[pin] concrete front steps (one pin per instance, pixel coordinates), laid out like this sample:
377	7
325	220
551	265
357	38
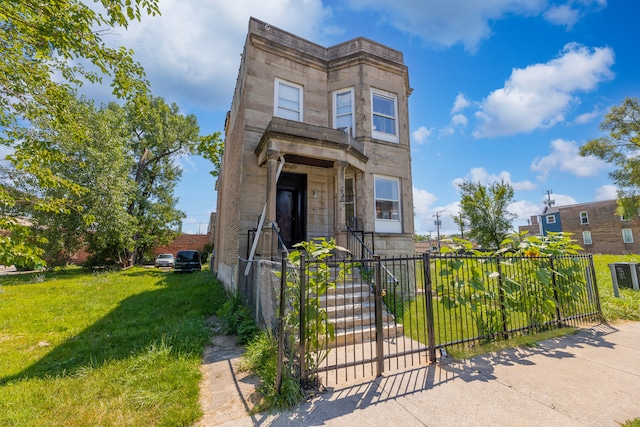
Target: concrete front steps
351	309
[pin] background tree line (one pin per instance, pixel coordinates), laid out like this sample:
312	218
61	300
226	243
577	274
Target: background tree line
79	173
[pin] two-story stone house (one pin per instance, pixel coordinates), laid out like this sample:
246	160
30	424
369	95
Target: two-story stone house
316	139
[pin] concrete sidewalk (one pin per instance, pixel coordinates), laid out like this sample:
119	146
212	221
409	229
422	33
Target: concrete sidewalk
591	378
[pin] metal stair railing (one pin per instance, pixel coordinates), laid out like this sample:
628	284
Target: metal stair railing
369	253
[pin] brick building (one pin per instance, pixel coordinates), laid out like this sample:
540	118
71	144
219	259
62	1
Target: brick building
596	226
317	138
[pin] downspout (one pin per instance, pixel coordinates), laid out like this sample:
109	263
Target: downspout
254	245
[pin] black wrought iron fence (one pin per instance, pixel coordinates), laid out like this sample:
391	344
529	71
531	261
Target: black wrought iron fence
351	318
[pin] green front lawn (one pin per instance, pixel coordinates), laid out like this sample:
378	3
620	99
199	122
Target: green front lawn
627	306
113	348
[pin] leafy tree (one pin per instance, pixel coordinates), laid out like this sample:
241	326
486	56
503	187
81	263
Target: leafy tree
211	147
486	210
93	161
125	167
43	45
621	147
158	136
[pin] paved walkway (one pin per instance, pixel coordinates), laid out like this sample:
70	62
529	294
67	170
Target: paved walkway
591	378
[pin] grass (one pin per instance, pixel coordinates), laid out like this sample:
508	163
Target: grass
110	348
450	327
627	306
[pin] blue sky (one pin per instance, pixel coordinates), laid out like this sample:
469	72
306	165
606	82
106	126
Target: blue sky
502	89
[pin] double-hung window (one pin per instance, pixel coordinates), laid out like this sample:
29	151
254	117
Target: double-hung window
288	100
586	237
584	218
343	110
627	235
387	196
384	116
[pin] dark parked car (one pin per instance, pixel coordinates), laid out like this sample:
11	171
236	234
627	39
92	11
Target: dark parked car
188	261
164	260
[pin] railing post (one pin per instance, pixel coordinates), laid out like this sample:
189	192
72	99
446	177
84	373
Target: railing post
595	284
378	308
431	334
555	290
283	284
304	375
503	309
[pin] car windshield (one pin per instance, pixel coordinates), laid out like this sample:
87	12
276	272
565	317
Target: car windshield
165	256
186	256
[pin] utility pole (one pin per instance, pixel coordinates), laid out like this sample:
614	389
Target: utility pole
461	226
438	223
549	202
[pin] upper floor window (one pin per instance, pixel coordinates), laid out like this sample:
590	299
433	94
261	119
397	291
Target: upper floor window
627	235
584	218
551	219
288	100
625	217
586	237
343	110
384	116
387	196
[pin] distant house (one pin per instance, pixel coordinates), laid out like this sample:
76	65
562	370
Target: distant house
596	226
318	139
533	228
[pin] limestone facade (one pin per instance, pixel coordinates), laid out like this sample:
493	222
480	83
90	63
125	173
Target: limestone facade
315	137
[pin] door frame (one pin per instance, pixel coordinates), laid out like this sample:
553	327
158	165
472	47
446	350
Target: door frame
296	183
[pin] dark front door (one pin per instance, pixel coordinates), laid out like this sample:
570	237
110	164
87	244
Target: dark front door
291	208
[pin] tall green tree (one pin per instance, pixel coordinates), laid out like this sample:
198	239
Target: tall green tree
621	147
485	209
94	161
124	161
43	44
158	136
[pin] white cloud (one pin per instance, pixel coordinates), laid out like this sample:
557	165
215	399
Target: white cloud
446	131
540	95
562	15
485	178
425	223
447	23
563	200
5	151
193	50
587	117
524	210
422	201
571	12
460	103
468	22
565	156
421	134
459	120
606	192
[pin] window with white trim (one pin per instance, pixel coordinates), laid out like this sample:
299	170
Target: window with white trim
343	107
288	100
584	217
586	238
387	196
551	219
627	235
384	116
625	217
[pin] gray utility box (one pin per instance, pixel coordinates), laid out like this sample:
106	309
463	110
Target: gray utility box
624	275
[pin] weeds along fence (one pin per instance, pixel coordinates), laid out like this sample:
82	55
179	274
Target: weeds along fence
362	313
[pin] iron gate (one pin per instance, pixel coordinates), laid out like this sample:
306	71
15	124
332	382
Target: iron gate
357	318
